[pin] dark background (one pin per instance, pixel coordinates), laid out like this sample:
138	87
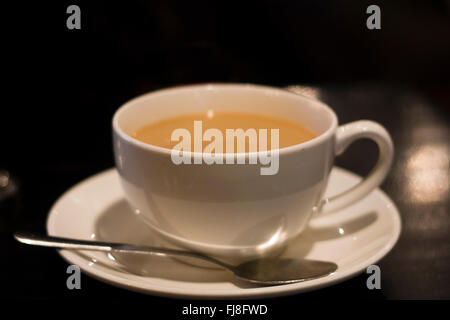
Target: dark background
66	84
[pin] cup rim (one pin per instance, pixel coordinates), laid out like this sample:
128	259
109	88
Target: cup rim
204	86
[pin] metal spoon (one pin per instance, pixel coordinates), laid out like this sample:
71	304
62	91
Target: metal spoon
266	271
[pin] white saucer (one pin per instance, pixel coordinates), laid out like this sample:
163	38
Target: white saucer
353	238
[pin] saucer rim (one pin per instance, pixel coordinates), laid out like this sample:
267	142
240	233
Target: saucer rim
112	276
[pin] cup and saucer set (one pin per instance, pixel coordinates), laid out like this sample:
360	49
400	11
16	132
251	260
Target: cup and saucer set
309	209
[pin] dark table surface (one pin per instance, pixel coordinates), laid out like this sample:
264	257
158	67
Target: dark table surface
417	267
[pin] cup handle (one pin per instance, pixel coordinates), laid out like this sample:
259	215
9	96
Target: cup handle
346	135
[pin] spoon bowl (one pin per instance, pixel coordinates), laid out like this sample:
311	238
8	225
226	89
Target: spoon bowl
282	270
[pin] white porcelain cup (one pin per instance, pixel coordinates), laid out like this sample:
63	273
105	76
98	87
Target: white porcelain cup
232	211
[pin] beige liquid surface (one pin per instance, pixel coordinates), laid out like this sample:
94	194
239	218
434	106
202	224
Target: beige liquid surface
159	133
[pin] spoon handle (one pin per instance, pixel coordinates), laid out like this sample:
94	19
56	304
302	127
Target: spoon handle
75	244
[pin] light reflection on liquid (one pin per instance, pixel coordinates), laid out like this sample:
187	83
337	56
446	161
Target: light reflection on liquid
427	173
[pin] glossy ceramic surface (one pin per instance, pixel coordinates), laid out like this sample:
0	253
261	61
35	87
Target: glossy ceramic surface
353	238
232	211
